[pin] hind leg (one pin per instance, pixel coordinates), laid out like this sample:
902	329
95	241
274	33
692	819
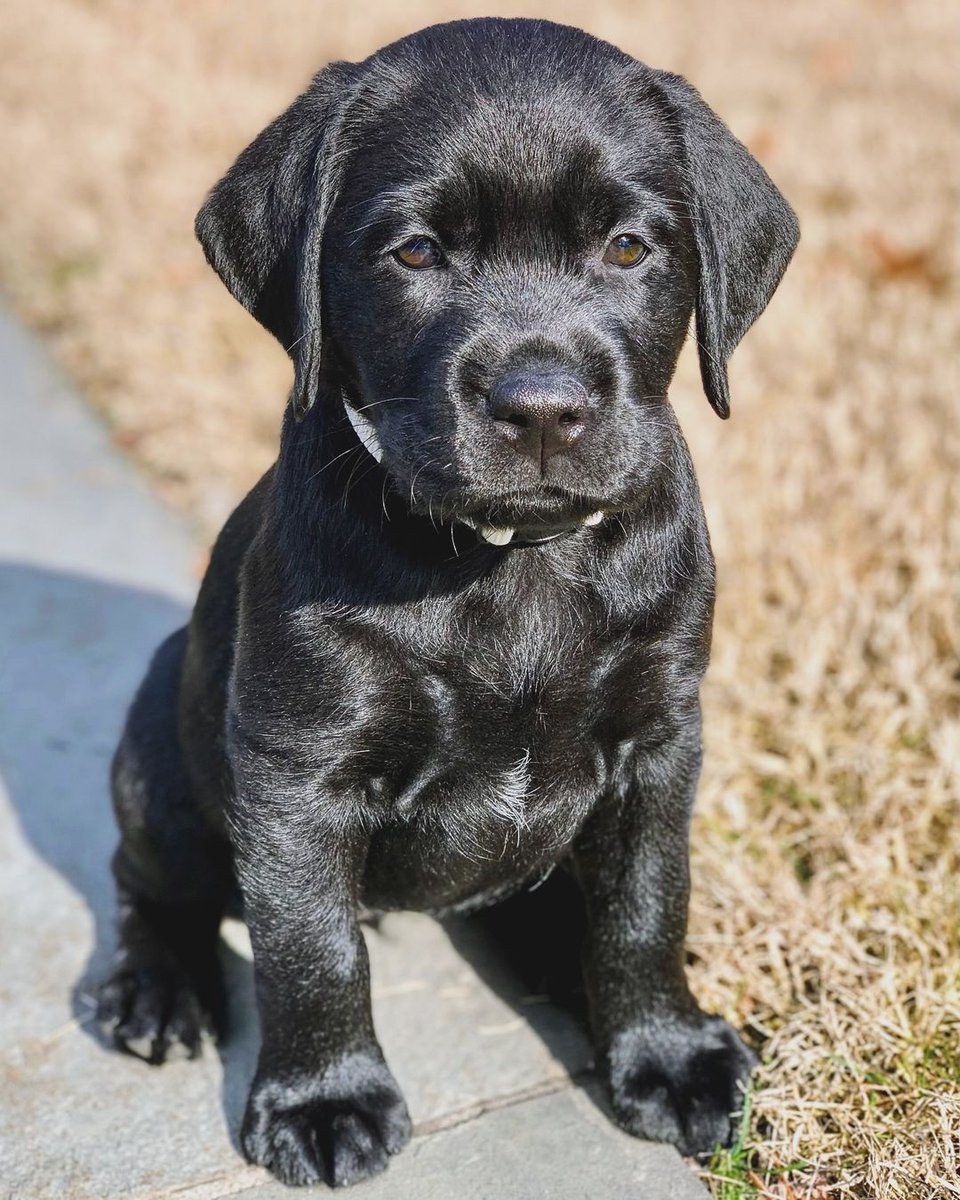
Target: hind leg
165	990
173	880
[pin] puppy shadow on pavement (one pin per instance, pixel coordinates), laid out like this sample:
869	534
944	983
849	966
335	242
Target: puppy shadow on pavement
73	650
72	653
527	949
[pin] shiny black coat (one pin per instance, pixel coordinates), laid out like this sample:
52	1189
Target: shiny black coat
374	708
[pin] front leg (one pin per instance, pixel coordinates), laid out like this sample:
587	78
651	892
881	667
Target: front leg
323	1104
675	1073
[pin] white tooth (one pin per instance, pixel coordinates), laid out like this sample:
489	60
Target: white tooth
496	537
594	519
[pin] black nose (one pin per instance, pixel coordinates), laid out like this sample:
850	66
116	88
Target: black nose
540	412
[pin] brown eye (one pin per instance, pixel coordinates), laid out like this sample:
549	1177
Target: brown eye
626	250
418	253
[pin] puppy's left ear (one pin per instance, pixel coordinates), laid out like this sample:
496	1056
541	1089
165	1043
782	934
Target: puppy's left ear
745	232
261	227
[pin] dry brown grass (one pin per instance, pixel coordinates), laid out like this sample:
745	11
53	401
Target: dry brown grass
826	850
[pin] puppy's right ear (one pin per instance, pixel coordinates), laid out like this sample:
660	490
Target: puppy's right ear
261	227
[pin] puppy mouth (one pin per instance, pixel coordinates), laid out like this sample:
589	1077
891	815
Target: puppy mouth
534	515
540	531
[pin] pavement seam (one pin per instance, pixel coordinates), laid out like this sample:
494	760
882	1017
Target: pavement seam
462	1116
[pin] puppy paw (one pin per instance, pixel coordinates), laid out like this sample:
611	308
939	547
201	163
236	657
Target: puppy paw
157	1013
679	1080
339	1128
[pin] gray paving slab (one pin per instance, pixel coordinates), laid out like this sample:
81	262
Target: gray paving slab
559	1147
68	502
94	571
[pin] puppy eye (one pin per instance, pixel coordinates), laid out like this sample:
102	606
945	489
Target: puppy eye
626	250
418	253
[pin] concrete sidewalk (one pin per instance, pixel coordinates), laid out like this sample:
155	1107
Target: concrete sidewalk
93	573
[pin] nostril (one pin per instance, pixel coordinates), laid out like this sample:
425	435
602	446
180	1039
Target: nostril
517	419
569	418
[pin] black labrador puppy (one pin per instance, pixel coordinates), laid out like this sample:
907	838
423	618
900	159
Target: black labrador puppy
454	638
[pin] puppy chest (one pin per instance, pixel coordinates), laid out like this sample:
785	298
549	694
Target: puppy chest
474	819
481	768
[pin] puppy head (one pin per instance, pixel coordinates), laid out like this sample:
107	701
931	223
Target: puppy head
491	235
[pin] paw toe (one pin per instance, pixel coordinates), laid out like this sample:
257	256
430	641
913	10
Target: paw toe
646	1109
288	1148
396	1128
356	1152
187	1023
113	999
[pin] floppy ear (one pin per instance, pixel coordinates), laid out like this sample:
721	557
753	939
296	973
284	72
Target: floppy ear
745	232
261	227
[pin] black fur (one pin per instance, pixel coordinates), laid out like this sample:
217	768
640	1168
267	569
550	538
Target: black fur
373	708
